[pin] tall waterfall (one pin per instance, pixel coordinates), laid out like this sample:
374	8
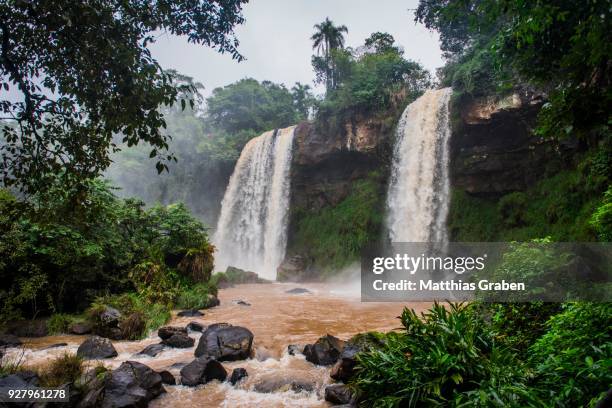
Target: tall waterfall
418	196
252	228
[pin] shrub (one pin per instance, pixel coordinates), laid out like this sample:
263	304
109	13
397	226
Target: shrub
198	296
66	368
517	324
154	282
198	263
139	316
445	358
59	323
573	360
601	220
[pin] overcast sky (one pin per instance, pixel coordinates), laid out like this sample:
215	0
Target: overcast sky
275	39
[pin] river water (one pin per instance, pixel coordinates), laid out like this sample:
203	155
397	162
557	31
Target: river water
276	318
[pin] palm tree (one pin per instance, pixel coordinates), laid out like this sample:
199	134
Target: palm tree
326	38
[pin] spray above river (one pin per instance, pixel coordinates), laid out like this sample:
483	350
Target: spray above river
252	229
417	200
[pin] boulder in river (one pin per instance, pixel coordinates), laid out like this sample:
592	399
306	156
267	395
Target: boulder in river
279	383
237	375
131	385
9	340
237	275
179	340
292	269
202	370
225	342
325	351
80	328
96	347
338	394
297	291
195	326
152	350
168	331
167	377
190	313
55	345
211	301
343	370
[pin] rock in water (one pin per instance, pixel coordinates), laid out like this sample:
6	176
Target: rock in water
225	342
56	345
167	331
297	291
195	326
238	374
212	301
325	351
8	340
292	269
167	377
344	368
276	383
190	313
338	394
179	340
131	385
152	350
96	347
202	370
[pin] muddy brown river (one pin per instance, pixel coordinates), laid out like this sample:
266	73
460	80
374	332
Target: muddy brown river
276	318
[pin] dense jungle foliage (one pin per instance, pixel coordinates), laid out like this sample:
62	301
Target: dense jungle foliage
63	249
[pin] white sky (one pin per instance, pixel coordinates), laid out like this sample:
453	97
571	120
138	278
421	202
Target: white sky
275	39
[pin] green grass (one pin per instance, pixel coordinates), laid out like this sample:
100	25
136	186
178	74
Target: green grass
335	236
195	296
64	369
59	323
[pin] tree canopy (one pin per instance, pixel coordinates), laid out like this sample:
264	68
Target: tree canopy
252	105
327	38
562	47
83	72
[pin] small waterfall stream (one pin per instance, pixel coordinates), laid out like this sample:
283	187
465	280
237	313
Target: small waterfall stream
418	196
252	228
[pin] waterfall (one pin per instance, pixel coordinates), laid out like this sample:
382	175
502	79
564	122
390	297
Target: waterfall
252	228
418	196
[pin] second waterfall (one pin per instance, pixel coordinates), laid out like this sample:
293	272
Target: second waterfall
418	196
252	228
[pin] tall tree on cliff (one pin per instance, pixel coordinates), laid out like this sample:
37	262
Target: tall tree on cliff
327	38
75	73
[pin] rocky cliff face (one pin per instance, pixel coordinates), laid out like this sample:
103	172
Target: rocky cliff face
325	163
493	148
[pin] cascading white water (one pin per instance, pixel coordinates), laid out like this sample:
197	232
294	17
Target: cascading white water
252	228
418	196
